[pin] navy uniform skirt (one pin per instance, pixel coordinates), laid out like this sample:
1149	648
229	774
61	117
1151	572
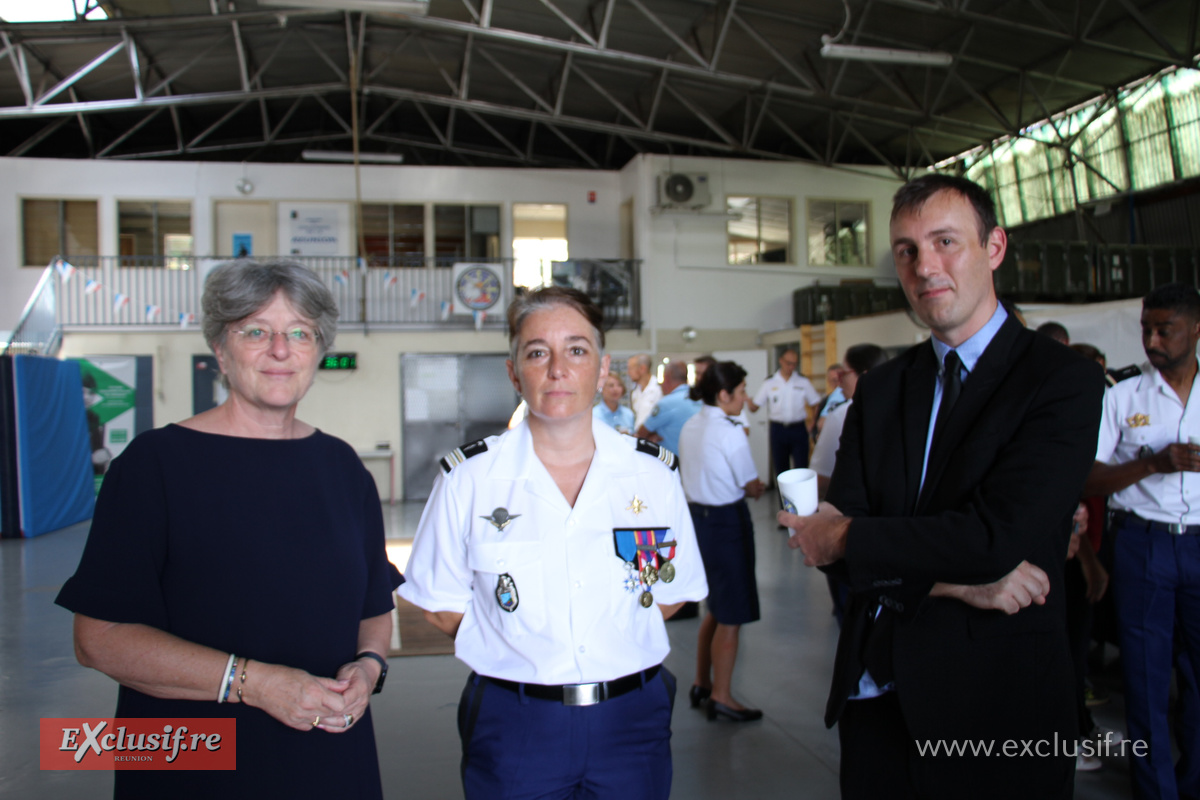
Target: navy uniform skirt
726	538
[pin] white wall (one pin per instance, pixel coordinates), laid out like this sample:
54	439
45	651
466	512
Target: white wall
684	254
593	228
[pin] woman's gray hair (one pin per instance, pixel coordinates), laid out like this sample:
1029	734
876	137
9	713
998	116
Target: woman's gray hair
546	299
237	289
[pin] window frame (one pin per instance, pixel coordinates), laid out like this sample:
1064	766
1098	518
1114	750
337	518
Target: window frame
789	259
61	234
837	203
158	257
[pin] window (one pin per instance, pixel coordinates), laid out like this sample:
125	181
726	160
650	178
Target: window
762	231
394	234
465	232
154	234
837	233
67	228
539	237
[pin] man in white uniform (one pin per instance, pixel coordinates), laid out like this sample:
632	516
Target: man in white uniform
787	395
1147	458
646	390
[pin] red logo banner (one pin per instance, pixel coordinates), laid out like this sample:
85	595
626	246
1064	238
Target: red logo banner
112	743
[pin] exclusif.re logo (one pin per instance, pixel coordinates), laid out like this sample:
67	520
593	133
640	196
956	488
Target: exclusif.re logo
115	743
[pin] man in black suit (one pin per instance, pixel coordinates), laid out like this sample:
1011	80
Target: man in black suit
949	513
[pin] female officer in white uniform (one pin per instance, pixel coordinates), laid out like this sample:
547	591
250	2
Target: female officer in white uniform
553	553
718	472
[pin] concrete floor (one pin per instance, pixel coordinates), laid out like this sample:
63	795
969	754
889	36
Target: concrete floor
783	667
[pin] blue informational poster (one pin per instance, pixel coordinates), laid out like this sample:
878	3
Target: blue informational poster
54	464
243	245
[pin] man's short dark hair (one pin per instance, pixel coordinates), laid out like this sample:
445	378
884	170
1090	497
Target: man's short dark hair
912	196
864	357
1177	297
1056	331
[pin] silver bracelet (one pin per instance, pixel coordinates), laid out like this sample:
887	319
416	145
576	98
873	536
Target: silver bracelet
223	692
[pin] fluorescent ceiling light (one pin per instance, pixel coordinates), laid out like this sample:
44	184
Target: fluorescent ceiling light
348	158
43	11
385	6
854	52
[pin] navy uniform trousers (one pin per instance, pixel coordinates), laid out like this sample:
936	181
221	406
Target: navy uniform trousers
789	446
515	746
1156	591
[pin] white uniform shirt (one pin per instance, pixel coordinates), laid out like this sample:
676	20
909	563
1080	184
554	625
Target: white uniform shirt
1145	412
787	401
715	462
824	455
576	620
643	402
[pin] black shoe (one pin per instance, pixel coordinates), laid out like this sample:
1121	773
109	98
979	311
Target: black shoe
697	695
716	709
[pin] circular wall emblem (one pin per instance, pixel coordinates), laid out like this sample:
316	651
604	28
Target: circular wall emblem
478	288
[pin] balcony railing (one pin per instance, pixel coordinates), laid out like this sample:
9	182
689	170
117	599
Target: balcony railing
37	332
106	291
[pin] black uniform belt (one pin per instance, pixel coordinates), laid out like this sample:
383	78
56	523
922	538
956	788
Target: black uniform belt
1130	520
789	424
580	694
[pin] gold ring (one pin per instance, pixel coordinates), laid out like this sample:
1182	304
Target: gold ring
316	721
349	719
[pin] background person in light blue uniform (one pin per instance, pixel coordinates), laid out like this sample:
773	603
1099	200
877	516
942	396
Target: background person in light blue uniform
609	410
666	421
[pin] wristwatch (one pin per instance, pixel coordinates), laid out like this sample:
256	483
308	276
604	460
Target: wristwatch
382	664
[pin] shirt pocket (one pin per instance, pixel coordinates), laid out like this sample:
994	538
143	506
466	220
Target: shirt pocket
1133	439
509	585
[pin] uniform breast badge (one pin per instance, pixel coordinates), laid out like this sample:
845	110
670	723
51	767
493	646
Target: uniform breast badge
506	593
500	518
1138	421
636	505
645	561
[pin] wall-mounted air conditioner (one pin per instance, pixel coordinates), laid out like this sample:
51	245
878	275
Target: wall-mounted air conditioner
683	190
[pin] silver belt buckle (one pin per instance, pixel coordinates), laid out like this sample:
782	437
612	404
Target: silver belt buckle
1177	528
582	694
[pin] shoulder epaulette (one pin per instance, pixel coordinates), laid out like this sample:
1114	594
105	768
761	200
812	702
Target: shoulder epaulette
461	454
658	451
1115	376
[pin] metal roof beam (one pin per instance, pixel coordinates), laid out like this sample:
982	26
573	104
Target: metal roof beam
75	76
772	51
136	127
670	34
16	56
608	96
224	118
570	23
506	72
719	45
700	114
39	137
579	151
483	123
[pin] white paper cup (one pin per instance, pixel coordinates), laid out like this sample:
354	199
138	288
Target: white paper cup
799	490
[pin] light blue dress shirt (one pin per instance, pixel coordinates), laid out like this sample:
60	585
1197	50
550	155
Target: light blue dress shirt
669	415
621	419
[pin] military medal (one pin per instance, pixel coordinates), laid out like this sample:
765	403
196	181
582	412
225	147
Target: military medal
645	563
506	593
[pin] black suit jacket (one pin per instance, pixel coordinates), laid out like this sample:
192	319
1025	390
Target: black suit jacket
1003	481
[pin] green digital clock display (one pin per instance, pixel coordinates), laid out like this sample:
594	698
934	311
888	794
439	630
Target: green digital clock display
340	361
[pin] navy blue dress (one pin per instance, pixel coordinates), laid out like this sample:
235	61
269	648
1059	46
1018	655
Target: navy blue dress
270	549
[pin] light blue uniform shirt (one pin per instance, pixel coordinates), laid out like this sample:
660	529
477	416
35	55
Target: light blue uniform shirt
621	419
669	415
969	353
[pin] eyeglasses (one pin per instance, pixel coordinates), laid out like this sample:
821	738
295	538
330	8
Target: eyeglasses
299	337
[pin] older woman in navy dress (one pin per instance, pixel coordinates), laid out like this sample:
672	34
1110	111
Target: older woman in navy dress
718	472
236	565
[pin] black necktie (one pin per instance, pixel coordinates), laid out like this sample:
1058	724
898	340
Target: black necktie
951	387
